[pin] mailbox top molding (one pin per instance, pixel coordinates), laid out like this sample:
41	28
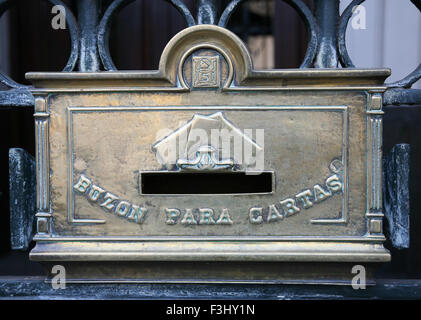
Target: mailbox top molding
239	72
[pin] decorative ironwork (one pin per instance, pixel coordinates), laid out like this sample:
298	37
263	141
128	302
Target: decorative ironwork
326	48
304	12
74	37
105	26
346	61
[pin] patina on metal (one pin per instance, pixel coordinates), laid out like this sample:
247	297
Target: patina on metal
22	198
396	194
116	152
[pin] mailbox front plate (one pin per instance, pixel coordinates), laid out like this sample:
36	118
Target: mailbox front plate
102	143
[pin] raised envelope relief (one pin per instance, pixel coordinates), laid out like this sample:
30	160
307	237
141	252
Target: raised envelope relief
209	142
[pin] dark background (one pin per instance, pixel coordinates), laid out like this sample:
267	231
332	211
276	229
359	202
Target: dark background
138	37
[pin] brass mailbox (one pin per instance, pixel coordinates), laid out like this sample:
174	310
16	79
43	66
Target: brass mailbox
208	170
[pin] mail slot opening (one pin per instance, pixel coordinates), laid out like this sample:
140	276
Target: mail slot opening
205	183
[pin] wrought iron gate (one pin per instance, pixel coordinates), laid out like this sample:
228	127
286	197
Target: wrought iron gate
90	37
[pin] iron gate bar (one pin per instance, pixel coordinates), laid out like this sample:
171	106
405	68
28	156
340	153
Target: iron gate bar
16	98
305	14
396	194
88	16
35	289
106	22
22	198
400	96
346	61
344	57
73	30
19	95
226	14
327	14
207	11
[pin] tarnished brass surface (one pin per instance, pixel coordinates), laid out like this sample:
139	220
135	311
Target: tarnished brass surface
101	136
219	272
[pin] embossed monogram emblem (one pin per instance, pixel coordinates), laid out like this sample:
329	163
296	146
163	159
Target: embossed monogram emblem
206	72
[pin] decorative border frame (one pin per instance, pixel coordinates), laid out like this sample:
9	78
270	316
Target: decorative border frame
42	155
345	142
374	213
